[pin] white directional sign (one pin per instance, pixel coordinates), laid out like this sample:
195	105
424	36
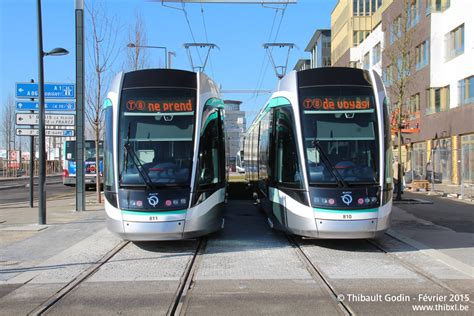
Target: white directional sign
49	132
51	119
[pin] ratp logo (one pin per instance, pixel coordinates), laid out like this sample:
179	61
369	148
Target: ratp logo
346	198
153	200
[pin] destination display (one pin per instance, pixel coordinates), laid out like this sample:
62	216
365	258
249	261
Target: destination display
337	103
158	106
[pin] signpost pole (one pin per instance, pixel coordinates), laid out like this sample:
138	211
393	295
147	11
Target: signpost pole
42	147
80	185
32	162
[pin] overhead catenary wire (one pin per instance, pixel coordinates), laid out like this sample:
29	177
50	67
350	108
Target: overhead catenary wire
263	64
274	40
265	61
190	29
207	39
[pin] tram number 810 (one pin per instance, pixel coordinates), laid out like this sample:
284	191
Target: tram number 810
346	216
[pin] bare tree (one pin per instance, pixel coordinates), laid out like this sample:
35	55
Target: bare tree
8	125
137	57
400	53
103	52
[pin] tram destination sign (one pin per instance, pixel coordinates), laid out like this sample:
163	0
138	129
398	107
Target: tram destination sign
51	90
337	103
64	106
49	132
51	119
159	106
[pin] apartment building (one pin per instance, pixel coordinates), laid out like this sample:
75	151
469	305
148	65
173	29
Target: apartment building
438	112
351	23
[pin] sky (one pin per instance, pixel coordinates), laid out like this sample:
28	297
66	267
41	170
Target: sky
238	30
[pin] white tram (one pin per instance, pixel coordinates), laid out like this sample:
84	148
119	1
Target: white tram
318	155
164	155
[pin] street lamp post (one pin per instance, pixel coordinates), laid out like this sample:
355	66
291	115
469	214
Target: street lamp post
41	124
167	55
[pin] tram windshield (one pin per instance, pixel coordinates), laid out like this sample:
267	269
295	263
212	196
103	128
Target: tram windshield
156	137
340	133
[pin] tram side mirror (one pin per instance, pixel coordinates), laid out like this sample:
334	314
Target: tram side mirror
168	118
349	115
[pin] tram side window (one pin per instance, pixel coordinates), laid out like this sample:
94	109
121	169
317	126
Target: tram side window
387	145
108	153
263	144
210	151
287	168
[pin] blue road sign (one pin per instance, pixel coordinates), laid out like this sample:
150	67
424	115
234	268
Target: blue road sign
51	90
48	106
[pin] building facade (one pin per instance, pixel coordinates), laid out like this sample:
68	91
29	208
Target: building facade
437	105
235	126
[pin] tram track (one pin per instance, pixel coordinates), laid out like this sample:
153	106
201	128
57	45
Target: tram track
318	276
181	297
53	300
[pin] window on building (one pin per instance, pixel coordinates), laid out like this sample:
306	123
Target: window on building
403	66
442	159
467	158
355	38
418	157
366	61
454	42
361	7
414	106
466	91
326	61
355	7
422	52
376	53
388	75
373	6
367	7
395	29
438	100
437	6
413	14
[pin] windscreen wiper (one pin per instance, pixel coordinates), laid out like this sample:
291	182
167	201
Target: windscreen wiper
329	165
136	161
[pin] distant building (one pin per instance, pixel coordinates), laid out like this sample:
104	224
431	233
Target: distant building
351	23
235	126
320	48
302	64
